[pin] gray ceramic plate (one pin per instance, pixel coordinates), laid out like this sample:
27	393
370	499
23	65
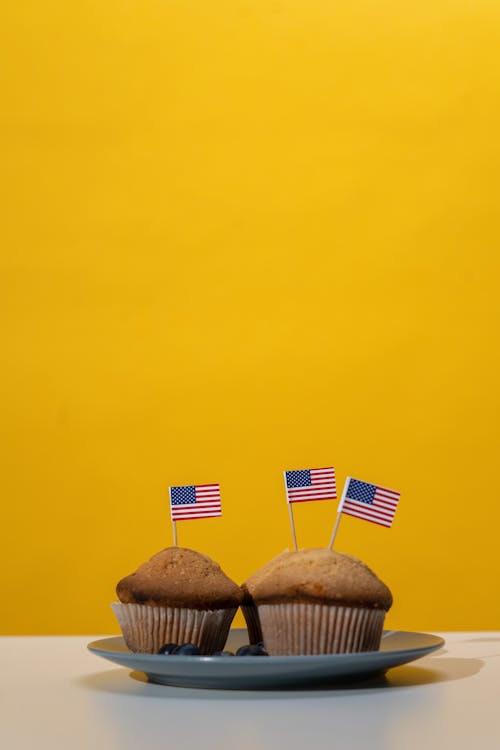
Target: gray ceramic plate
269	672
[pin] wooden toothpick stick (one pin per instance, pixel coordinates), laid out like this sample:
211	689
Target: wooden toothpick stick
174	527
339	514
292	526
290	514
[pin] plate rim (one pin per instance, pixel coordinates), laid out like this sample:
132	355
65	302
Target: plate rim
439	642
305	671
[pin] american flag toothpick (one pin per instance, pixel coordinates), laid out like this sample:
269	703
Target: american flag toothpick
194	501
304	485
371	502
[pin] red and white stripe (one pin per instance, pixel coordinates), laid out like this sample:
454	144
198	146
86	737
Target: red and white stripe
323	487
208	504
381	511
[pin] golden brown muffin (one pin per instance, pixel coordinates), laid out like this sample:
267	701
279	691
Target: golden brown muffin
180	577
178	596
317	601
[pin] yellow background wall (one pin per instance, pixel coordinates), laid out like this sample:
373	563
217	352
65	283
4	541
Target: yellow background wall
243	236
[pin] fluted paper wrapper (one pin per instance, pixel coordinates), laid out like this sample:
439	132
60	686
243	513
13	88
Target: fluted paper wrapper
251	615
292	629
146	629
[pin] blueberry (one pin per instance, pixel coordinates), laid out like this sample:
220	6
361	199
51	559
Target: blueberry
187	649
255	650
259	650
243	651
168	648
223	653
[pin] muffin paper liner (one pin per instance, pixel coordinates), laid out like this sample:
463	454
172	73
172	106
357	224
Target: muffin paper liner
251	615
291	629
146	629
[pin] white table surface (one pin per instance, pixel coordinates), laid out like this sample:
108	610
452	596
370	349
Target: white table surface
56	694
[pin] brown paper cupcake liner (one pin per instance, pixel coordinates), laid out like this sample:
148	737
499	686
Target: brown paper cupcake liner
251	615
146	629
298	628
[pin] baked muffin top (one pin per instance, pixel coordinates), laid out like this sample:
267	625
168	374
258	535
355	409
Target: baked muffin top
180	577
317	575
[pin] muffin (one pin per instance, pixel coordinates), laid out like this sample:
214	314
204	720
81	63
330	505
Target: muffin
178	596
316	601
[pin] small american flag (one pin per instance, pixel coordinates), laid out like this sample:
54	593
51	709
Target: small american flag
369	502
195	501
310	484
